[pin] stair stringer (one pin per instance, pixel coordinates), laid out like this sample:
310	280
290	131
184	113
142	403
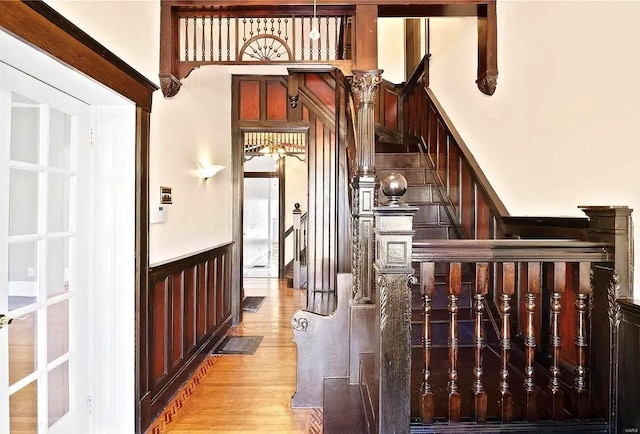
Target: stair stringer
323	347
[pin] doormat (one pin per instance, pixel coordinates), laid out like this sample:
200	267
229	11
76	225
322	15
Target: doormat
238	345
252	304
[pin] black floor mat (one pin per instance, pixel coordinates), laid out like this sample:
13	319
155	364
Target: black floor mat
252	304
238	345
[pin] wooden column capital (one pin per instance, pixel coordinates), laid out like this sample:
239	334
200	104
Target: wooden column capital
365	85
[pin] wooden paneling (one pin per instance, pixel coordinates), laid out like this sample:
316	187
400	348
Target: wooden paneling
322	90
160	339
276	101
186	295
328	210
628	392
483	218
177	316
190	309
390	110
201	301
467	206
250	100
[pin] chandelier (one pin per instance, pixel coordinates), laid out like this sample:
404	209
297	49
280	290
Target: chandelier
275	145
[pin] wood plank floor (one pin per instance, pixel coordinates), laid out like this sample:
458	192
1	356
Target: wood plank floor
239	393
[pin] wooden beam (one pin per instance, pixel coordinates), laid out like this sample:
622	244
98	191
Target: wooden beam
487	48
169	71
233	3
365	38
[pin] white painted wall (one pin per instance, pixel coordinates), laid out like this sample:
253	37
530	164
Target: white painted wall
128	28
562	128
563	120
193	126
391	49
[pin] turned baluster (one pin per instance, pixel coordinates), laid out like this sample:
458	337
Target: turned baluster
479	394
533	288
582	305
427	280
505	404
454	283
555	306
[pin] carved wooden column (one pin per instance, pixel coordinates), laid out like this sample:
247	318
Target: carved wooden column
364	86
394	276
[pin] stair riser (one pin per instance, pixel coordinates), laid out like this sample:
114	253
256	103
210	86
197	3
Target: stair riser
415	194
437	233
430	214
413	176
399	161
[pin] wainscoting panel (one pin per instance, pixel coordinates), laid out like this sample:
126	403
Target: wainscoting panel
190	310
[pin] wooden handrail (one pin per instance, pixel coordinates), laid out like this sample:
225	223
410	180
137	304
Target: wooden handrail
512	250
483	182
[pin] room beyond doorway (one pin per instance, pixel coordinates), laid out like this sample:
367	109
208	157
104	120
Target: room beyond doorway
271	188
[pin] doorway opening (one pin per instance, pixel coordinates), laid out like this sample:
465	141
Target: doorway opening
67	193
275	179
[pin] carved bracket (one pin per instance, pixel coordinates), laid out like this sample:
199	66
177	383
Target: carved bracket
170	85
487	82
487	48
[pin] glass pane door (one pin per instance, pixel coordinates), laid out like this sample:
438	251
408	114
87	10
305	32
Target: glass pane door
40	386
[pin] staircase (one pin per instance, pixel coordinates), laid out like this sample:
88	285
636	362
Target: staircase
528	335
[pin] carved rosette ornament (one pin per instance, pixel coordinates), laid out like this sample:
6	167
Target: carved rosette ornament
169	84
488	82
299	324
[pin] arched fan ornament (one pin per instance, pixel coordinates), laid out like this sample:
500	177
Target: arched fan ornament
265	48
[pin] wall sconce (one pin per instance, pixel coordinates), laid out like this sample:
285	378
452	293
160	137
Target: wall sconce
206	171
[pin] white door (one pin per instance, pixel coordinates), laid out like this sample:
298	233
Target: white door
44	258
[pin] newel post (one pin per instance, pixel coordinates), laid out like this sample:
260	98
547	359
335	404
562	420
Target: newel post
394	276
611	282
364	86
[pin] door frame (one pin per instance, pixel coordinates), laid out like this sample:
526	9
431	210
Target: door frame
41	26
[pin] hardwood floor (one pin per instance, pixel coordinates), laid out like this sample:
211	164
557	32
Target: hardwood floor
236	393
